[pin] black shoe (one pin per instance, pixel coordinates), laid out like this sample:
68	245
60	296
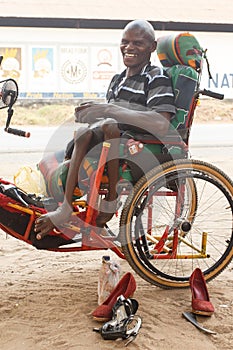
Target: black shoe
124	323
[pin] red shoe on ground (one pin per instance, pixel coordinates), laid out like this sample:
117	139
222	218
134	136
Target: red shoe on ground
201	303
126	287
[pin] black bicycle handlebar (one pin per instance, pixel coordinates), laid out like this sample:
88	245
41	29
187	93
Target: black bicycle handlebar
212	94
17	132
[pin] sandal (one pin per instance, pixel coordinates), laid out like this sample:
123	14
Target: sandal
124	323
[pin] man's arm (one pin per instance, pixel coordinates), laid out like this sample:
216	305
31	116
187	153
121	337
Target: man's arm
147	120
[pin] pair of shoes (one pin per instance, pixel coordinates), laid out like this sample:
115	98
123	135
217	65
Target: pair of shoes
201	303
126	287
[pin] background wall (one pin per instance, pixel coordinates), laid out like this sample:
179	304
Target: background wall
79	63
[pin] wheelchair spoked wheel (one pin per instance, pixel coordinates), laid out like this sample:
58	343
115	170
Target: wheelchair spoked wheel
113	226
188	207
178	218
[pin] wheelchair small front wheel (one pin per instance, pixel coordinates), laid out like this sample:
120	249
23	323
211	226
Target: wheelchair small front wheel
178	218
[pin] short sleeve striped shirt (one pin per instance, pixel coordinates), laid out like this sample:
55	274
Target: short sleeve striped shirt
151	88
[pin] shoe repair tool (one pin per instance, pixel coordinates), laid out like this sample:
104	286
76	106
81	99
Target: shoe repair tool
191	317
124	323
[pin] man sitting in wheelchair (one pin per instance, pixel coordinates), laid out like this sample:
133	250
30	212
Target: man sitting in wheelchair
140	101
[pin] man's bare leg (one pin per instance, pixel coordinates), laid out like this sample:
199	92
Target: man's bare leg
109	204
45	223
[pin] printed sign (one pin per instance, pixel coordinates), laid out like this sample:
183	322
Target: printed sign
11	66
73	68
42	73
104	64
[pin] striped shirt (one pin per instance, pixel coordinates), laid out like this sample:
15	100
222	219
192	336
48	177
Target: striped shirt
151	89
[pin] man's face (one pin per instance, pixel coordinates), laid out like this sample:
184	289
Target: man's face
136	48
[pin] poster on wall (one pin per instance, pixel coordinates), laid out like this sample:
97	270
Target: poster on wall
42	73
73	70
11	66
104	65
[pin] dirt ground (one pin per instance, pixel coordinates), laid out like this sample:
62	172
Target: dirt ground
47	299
209	110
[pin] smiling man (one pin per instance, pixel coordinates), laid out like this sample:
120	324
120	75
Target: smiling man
140	99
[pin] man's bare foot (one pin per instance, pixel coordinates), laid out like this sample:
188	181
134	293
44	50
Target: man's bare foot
45	223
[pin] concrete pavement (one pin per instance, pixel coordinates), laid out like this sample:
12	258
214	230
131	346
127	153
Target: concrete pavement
212	143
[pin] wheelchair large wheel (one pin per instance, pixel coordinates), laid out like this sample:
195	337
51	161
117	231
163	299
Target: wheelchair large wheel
113	226
188	207
125	188
164	240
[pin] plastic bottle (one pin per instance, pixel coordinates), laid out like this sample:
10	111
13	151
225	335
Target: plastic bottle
108	278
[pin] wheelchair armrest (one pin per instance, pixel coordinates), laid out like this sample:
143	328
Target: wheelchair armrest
172	137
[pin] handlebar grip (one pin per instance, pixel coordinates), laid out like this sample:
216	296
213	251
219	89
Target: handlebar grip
213	94
18	132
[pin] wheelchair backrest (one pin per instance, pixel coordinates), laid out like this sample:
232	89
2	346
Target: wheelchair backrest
182	57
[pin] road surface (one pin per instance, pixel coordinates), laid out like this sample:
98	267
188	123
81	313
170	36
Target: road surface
212	143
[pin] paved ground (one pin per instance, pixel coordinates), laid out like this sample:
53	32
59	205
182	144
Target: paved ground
212	143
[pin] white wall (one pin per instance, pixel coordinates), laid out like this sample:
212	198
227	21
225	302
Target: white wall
78	63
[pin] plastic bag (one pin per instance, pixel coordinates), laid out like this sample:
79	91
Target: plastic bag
30	181
108	278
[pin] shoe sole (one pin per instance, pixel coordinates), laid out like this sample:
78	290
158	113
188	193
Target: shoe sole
202	313
101	319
